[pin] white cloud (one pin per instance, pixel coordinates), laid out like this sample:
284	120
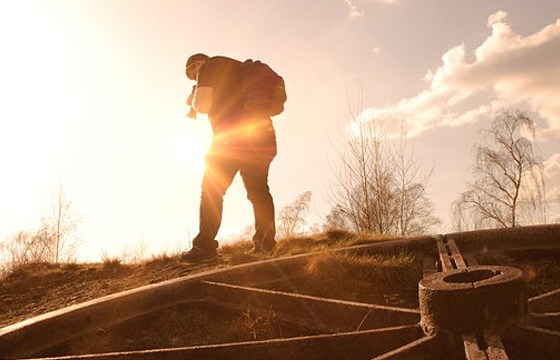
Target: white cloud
552	178
355	12
552	181
353	9
497	17
508	70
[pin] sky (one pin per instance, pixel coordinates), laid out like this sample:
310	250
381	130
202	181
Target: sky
93	99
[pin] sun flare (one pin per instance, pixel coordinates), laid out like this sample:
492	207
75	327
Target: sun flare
189	146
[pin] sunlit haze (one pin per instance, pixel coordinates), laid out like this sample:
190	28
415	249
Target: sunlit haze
93	97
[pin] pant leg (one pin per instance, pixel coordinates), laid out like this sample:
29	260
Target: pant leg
255	179
218	176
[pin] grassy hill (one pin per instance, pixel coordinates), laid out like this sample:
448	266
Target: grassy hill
389	279
38	288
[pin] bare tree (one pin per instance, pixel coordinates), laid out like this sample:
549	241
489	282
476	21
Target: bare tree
361	178
61	226
53	241
415	213
26	247
291	219
336	219
377	186
508	185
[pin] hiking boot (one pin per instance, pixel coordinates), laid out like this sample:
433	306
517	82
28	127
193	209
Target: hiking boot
261	249
197	254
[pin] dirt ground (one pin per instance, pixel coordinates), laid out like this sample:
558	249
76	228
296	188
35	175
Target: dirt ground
40	288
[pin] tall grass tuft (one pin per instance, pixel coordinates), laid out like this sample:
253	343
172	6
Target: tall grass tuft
359	278
330	239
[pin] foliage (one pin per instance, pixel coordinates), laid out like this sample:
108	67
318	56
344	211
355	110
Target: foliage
508	185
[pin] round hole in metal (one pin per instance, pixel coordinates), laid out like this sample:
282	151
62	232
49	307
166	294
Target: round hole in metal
471	276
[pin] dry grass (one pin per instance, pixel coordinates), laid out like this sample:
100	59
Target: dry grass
186	325
36	270
238	252
330	239
388	270
389	278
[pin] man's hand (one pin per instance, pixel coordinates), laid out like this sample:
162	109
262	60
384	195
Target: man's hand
192	113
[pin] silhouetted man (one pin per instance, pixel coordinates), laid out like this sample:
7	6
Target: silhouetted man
242	142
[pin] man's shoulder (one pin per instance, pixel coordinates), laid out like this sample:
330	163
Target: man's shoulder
219	71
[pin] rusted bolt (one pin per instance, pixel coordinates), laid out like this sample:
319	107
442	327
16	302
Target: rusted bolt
472	299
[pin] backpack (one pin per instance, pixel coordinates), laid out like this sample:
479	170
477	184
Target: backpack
263	90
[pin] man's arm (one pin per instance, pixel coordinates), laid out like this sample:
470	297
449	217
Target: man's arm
203	98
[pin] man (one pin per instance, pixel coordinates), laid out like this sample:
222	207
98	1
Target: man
243	143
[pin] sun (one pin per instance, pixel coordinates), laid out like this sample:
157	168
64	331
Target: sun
190	144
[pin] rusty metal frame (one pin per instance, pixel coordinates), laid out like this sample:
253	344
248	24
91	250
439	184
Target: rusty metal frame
350	330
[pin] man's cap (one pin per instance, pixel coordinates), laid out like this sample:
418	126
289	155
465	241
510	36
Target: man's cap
196	57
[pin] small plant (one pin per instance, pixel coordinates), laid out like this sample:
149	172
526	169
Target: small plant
109	261
260	325
161	259
71	266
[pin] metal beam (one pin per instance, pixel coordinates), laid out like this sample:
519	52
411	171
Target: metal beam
309	312
342	346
